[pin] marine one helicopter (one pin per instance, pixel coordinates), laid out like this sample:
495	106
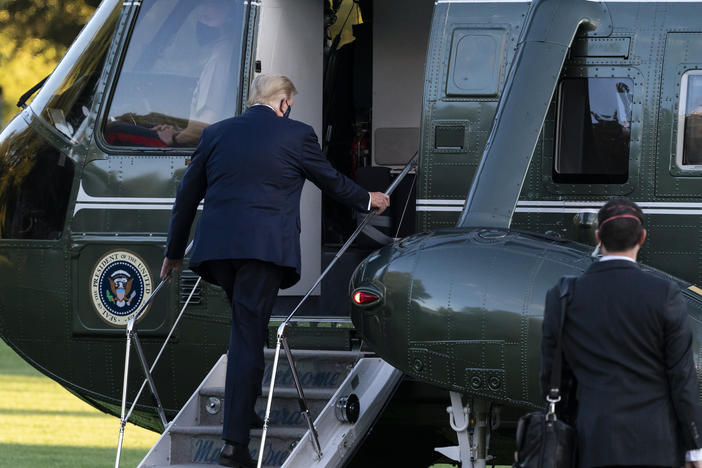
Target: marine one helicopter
537	111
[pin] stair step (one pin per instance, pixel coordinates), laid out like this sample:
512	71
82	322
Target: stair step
201	444
320	369
273	431
200	465
193	439
269	353
285	408
314	332
278	392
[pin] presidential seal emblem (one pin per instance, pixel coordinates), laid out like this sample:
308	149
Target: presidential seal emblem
119	284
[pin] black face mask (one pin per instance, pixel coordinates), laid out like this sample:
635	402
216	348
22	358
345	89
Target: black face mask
206	34
286	114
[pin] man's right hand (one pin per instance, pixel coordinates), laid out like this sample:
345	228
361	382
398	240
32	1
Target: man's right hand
169	266
379	201
693	464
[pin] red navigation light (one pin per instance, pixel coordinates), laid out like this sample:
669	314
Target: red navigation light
364	297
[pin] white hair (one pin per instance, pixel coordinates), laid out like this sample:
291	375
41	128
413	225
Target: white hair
270	89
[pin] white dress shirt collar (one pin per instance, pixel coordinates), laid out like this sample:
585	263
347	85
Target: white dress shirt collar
261	104
606	258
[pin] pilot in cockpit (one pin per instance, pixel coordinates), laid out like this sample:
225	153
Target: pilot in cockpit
210	100
212	87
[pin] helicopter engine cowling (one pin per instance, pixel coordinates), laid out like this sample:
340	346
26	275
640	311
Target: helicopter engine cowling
462	309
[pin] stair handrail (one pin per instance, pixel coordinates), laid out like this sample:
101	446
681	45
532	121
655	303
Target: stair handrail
131	334
280	335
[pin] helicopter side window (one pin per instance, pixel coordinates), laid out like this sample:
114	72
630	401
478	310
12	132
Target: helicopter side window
179	74
593	131
66	99
689	147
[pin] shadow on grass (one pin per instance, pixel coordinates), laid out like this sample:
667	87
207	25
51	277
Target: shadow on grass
33	456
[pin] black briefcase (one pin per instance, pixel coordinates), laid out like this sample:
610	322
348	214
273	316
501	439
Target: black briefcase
544	442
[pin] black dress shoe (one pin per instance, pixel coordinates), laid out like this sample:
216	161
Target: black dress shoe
236	455
256	421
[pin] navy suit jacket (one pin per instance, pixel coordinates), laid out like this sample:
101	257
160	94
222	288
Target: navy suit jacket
250	171
627	340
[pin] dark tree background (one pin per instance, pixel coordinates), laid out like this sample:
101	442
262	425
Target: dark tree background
57	22
34	35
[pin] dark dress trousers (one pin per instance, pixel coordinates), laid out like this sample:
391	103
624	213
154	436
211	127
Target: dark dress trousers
628	343
250	171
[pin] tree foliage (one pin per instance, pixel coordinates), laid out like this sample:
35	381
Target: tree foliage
34	35
55	21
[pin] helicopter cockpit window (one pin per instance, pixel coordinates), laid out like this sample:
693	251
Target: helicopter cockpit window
66	100
689	147
593	131
179	75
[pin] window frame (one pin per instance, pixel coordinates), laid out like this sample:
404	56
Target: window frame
114	150
680	126
582	178
547	144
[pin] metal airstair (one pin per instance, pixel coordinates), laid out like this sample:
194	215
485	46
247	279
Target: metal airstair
289	438
193	438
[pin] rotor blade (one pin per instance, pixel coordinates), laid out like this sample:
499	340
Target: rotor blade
548	33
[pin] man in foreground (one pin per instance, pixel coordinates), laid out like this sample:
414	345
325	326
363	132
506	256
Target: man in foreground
628	343
250	170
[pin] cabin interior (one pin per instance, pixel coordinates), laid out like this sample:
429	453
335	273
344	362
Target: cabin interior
359	70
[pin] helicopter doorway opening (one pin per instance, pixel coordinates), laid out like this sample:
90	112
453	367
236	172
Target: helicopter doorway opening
359	70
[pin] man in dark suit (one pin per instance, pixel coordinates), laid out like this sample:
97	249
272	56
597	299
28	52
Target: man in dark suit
628	343
250	171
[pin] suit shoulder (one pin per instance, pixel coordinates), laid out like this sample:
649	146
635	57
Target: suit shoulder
553	291
299	127
655	280
553	295
655	285
220	126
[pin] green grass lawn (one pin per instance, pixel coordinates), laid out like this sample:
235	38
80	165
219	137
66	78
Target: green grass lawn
43	425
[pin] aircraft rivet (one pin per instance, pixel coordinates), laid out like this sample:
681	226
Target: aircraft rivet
418	365
213	405
494	383
475	382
